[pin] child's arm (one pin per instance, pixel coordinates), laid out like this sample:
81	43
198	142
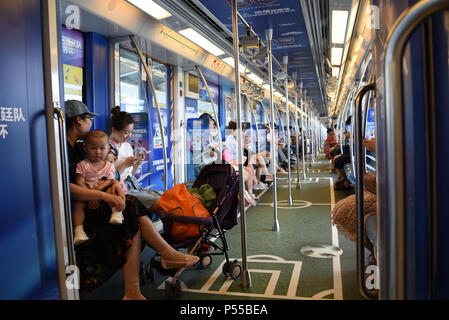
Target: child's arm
104	184
79	180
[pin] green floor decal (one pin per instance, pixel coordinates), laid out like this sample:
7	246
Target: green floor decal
278	268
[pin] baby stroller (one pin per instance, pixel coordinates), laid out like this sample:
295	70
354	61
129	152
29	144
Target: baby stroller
223	216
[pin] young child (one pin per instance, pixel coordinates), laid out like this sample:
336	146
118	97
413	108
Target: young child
94	173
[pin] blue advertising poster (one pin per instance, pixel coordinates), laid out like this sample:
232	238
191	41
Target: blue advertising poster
370	129
214	90
72	47
140	143
73	63
157	156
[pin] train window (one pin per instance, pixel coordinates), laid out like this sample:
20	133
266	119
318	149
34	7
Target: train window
132	94
73	63
197	97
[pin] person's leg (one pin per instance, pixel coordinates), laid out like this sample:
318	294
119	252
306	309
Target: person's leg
131	271
249	182
78	216
116	215
262	167
78	213
170	257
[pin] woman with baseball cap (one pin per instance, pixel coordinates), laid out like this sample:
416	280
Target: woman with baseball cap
95	267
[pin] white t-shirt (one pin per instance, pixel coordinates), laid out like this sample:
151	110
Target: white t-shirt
231	143
125	151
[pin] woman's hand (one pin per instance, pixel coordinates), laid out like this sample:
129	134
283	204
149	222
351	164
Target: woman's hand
93	205
117	189
114	201
130	161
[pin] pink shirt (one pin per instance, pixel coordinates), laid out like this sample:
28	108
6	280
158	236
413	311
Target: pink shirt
92	176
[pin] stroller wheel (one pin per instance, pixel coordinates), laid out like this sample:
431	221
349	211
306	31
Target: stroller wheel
232	269
205	261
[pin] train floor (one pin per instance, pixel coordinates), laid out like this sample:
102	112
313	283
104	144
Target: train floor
307	259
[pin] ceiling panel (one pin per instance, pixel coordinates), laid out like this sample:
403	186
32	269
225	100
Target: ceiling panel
289	35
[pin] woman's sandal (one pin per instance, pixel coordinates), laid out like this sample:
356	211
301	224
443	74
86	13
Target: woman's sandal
176	264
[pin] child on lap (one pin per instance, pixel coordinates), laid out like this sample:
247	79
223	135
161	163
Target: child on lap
94	173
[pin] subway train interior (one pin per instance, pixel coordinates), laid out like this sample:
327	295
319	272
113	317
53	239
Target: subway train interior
274	149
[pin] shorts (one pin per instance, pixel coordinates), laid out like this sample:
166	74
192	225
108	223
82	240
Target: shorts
340	162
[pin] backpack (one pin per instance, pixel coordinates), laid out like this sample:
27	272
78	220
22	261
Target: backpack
178	201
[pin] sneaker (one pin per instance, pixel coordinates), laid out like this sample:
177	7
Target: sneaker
80	236
260	186
116	218
249	200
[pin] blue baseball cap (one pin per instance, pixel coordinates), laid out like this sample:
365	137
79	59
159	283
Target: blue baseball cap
75	108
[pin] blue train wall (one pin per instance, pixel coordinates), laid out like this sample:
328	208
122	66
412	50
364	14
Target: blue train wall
27	250
418	246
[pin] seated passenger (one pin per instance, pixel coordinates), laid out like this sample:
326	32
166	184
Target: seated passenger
329	143
342	182
232	147
210	146
122	127
344	212
94	173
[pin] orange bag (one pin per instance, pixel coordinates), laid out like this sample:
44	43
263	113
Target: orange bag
179	201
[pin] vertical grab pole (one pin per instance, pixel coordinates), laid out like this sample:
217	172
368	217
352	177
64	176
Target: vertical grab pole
301	101
159	116
298	173
269	36
57	155
215	112
246	278
287	109
359	167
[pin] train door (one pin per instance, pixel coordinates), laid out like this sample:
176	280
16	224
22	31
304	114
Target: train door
411	58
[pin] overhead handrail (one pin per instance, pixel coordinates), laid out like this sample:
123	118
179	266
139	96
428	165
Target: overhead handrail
159	116
359	167
219	155
394	108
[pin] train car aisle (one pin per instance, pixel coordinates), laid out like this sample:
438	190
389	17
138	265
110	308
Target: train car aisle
307	259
